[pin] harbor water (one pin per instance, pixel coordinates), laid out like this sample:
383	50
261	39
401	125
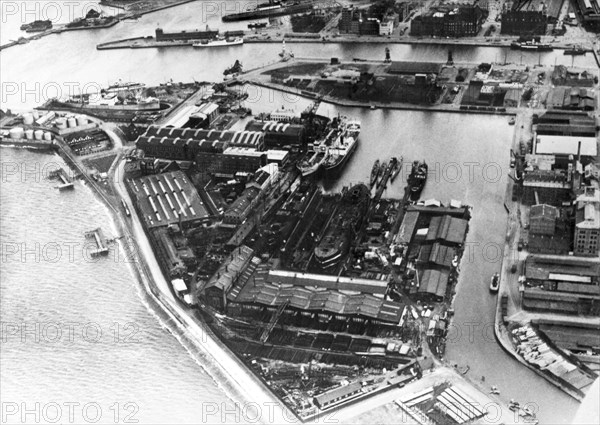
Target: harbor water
468	157
79	329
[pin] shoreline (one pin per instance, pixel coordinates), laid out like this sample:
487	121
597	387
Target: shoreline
234	379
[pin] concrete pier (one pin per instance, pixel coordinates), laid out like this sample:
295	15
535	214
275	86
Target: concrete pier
98	237
62	176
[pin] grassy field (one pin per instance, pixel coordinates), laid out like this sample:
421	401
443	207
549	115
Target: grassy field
102	164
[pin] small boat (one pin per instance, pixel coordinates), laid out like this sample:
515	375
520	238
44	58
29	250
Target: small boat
495	283
374	173
284	54
396	168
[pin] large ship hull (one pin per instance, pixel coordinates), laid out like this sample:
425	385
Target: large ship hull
268	12
346	223
334	170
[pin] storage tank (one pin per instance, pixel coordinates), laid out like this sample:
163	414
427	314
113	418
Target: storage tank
29	134
61	123
81	120
39	134
47	136
16	133
71	122
27	119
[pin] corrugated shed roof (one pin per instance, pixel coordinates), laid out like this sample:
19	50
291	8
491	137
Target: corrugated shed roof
447	228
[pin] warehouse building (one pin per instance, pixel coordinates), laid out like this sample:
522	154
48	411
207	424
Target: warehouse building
169	198
562	284
278	134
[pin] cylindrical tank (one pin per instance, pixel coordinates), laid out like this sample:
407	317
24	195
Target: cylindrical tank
29	134
36	114
81	120
27	119
71	122
47	136
39	134
16	133
61	123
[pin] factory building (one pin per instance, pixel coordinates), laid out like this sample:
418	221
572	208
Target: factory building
587	223
185	35
589	12
571	98
542	219
562	284
185	143
167	199
278	133
524	22
449	21
241	208
231	161
546	187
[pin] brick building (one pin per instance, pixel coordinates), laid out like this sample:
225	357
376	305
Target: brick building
461	21
523	22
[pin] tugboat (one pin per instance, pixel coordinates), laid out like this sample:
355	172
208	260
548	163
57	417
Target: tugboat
396	168
341	148
417	179
495	283
575	51
346	222
312	162
374	173
284	54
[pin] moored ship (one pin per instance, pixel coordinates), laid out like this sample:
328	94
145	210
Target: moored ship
417	179
374	173
37	26
342	147
396	168
219	42
531	45
575	51
271	9
382	169
313	161
346	222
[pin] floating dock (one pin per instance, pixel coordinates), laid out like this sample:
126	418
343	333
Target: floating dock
98	237
62	176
